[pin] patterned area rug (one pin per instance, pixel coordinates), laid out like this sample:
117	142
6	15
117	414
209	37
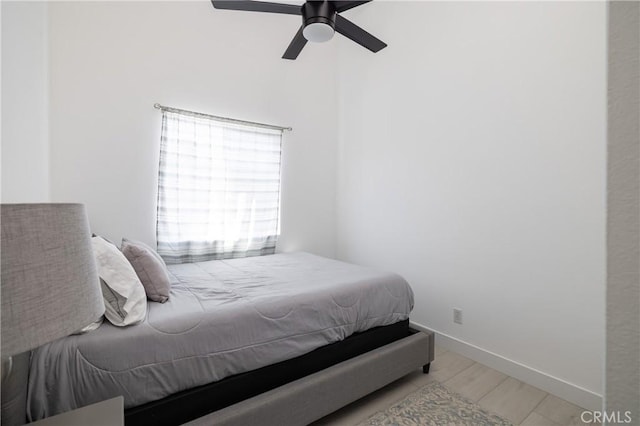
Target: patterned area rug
435	405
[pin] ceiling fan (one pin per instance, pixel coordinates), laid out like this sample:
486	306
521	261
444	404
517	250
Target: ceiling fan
320	19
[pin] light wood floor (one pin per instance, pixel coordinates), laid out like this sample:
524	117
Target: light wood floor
510	398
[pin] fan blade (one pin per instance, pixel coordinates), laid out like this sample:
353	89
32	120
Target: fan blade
258	6
341	6
357	34
296	45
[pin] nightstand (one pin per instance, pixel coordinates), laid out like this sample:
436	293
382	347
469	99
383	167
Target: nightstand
105	413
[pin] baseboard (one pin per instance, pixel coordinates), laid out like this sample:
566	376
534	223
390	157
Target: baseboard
553	385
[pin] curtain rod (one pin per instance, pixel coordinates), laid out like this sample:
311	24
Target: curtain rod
215	117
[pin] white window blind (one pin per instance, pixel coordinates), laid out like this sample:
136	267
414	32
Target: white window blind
218	189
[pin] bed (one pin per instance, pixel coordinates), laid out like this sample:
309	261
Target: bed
238	339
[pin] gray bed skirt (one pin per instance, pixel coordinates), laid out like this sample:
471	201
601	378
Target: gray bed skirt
315	396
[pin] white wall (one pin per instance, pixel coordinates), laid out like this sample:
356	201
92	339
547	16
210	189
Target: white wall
472	161
111	61
25	98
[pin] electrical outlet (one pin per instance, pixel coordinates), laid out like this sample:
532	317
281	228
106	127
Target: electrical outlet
457	315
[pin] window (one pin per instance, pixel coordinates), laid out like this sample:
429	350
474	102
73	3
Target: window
218	189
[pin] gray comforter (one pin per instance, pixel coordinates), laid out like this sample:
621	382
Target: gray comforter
222	318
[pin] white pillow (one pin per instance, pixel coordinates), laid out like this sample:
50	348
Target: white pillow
125	301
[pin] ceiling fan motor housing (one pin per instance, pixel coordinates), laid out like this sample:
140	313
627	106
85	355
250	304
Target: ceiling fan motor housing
319	12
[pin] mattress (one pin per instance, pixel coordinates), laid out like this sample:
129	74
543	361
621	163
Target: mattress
223	317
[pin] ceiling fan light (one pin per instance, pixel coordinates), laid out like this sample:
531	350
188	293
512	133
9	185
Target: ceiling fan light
318	32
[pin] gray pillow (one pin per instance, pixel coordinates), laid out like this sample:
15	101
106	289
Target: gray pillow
149	267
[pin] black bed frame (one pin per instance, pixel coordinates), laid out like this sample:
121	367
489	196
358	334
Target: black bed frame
190	404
